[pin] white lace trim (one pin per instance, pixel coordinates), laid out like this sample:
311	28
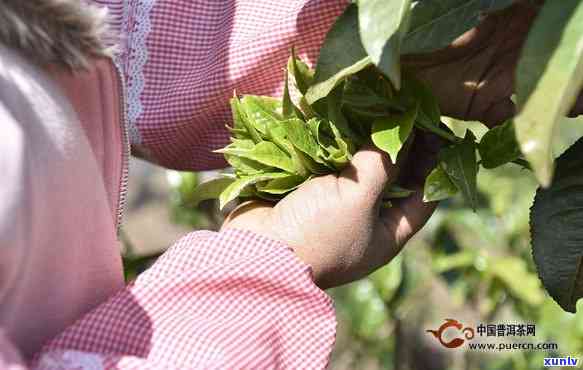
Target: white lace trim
138	54
64	360
121	62
132	61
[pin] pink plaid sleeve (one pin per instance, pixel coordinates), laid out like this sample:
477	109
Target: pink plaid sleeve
183	59
228	300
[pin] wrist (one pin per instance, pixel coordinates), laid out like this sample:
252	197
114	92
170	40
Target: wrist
260	218
307	256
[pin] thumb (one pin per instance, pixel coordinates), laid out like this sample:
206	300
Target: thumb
370	171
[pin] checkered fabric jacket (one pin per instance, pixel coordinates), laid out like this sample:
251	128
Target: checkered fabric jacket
229	300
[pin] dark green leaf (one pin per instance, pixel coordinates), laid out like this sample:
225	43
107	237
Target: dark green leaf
548	80
557	230
434	24
459	162
341	55
428	106
390	133
499	146
383	25
358	94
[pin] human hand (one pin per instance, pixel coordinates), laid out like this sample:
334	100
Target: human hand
336	223
473	78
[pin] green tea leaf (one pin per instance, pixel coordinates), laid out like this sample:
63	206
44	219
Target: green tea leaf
458	161
438	186
307	109
362	119
240	164
320	167
429	107
314	127
340	152
238	133
264	152
281	186
241	143
434	24
337	158
390	133
288	108
383	25
499	146
238	186
209	190
262	111
246	166
287	104
238	114
358	94
334	110
549	77
557	230
460	127
305	165
303	75
300	136
241	121
341	55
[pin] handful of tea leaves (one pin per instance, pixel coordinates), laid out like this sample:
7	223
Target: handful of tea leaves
277	145
351	99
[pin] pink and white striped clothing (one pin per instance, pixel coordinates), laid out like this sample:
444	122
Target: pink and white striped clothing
229	300
214	300
182	60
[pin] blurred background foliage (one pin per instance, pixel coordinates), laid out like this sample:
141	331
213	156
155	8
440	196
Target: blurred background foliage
475	267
